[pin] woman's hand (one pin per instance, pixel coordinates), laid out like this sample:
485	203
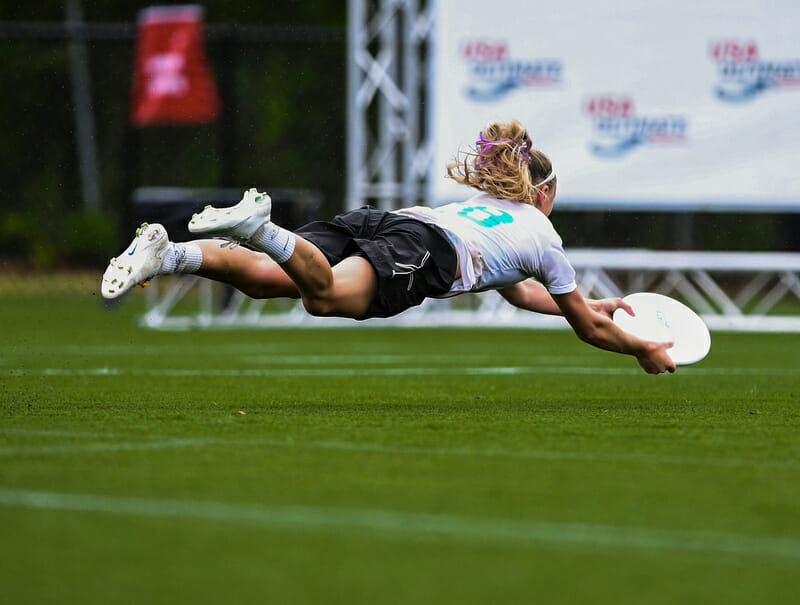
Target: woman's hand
607	306
655	359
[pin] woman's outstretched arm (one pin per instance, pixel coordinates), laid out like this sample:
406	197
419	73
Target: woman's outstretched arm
600	331
533	296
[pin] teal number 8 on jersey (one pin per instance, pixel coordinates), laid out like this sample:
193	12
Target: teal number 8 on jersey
486	217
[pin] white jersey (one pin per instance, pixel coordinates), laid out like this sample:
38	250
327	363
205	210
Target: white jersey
500	243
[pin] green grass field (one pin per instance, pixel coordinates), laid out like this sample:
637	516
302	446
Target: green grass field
387	466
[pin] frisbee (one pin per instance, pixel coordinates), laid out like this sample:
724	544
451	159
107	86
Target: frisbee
659	318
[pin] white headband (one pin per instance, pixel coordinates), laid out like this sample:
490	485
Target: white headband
547	179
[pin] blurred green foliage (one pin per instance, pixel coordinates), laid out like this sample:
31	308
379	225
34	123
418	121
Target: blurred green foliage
282	125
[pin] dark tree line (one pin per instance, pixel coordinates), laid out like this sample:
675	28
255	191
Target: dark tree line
281	71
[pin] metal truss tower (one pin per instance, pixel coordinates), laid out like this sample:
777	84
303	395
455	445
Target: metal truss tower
388	150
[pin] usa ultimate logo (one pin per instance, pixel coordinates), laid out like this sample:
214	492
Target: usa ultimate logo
618	129
743	75
493	74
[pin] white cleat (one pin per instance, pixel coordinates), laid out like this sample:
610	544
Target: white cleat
138	263
238	222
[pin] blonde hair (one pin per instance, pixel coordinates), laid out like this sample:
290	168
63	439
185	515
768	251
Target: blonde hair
504	164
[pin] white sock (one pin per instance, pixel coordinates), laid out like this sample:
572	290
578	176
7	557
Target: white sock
182	258
276	241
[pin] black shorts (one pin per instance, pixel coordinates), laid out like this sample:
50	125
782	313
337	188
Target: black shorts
413	260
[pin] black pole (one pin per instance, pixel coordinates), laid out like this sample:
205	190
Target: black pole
131	179
227	122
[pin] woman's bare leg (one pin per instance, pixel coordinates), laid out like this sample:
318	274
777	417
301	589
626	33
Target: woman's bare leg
254	273
345	290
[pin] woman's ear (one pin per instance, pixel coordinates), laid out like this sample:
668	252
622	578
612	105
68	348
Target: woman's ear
541	193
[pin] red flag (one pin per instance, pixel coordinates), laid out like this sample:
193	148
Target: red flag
172	81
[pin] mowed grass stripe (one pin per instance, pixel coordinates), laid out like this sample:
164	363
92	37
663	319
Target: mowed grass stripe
121	446
362	371
411	525
164	442
311	372
256	353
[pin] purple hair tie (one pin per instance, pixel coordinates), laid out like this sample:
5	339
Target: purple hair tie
485	145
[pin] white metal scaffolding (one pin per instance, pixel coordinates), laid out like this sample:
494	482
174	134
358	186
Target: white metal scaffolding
387	150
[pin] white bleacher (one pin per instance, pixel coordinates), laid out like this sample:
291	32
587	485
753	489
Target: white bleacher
743	291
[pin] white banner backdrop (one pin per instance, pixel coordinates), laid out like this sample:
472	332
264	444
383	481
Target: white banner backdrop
639	104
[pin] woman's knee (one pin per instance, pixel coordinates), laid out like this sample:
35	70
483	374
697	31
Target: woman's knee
324	306
319	306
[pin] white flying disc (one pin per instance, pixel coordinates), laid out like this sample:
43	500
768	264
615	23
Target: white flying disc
660	318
